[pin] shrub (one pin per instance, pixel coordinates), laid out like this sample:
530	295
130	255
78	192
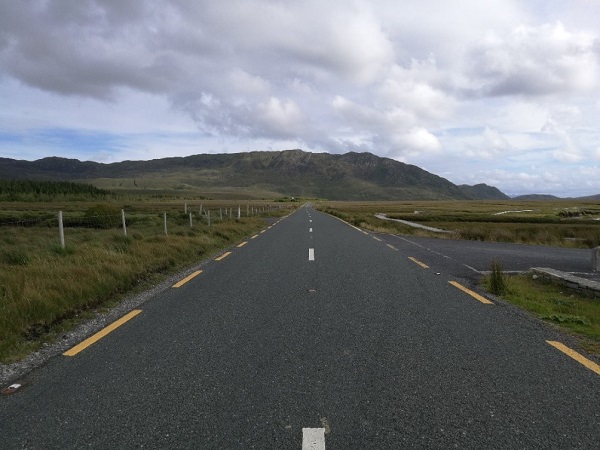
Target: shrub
103	215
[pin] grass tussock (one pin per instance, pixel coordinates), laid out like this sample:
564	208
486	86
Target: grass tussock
45	287
554	304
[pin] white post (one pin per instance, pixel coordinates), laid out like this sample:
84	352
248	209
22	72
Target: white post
165	221
185	208
191	220
200	211
220	214
239	212
61	230
208	217
123	220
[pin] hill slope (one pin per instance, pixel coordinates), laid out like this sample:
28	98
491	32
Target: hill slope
351	176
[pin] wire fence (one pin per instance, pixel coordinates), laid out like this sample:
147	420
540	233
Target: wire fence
106	217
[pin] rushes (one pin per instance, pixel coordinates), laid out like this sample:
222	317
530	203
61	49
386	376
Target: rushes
497	283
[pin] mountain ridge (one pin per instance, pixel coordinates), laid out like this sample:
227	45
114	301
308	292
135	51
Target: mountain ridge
349	176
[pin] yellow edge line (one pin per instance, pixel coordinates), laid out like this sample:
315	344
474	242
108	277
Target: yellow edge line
186	279
576	356
100	334
242	244
223	256
471	293
416	261
391	246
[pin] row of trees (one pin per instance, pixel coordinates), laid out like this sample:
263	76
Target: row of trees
26	190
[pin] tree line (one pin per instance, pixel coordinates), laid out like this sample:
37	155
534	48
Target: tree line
23	190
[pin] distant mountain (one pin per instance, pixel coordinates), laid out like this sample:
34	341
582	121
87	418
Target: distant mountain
351	176
542	197
536	197
483	192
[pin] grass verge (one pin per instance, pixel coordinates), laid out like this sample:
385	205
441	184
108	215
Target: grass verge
575	314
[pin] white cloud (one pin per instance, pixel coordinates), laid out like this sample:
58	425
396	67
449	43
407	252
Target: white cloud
281	117
532	61
418	141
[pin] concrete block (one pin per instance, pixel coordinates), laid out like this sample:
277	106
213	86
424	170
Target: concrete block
596	259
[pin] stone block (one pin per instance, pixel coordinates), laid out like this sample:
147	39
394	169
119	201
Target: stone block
596	259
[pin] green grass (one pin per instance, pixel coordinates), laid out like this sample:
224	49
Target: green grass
45	288
554	304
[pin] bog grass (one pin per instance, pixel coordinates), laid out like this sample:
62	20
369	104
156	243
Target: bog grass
45	288
565	223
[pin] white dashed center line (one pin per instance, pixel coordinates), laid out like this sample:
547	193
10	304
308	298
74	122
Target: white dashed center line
313	438
311	254
310	230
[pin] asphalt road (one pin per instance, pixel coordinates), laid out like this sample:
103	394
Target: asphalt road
274	344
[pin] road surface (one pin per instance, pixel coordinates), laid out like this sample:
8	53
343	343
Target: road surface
312	334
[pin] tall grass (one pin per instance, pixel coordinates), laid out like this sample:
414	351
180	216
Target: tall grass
497	280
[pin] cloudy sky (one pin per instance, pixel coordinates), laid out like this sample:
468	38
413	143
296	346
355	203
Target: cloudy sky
500	92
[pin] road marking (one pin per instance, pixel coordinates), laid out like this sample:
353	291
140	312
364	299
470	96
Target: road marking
254	237
242	244
376	238
576	356
311	254
392	247
223	256
416	261
262	231
310	230
310	221
100	334
313	438
11	389
186	279
471	293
